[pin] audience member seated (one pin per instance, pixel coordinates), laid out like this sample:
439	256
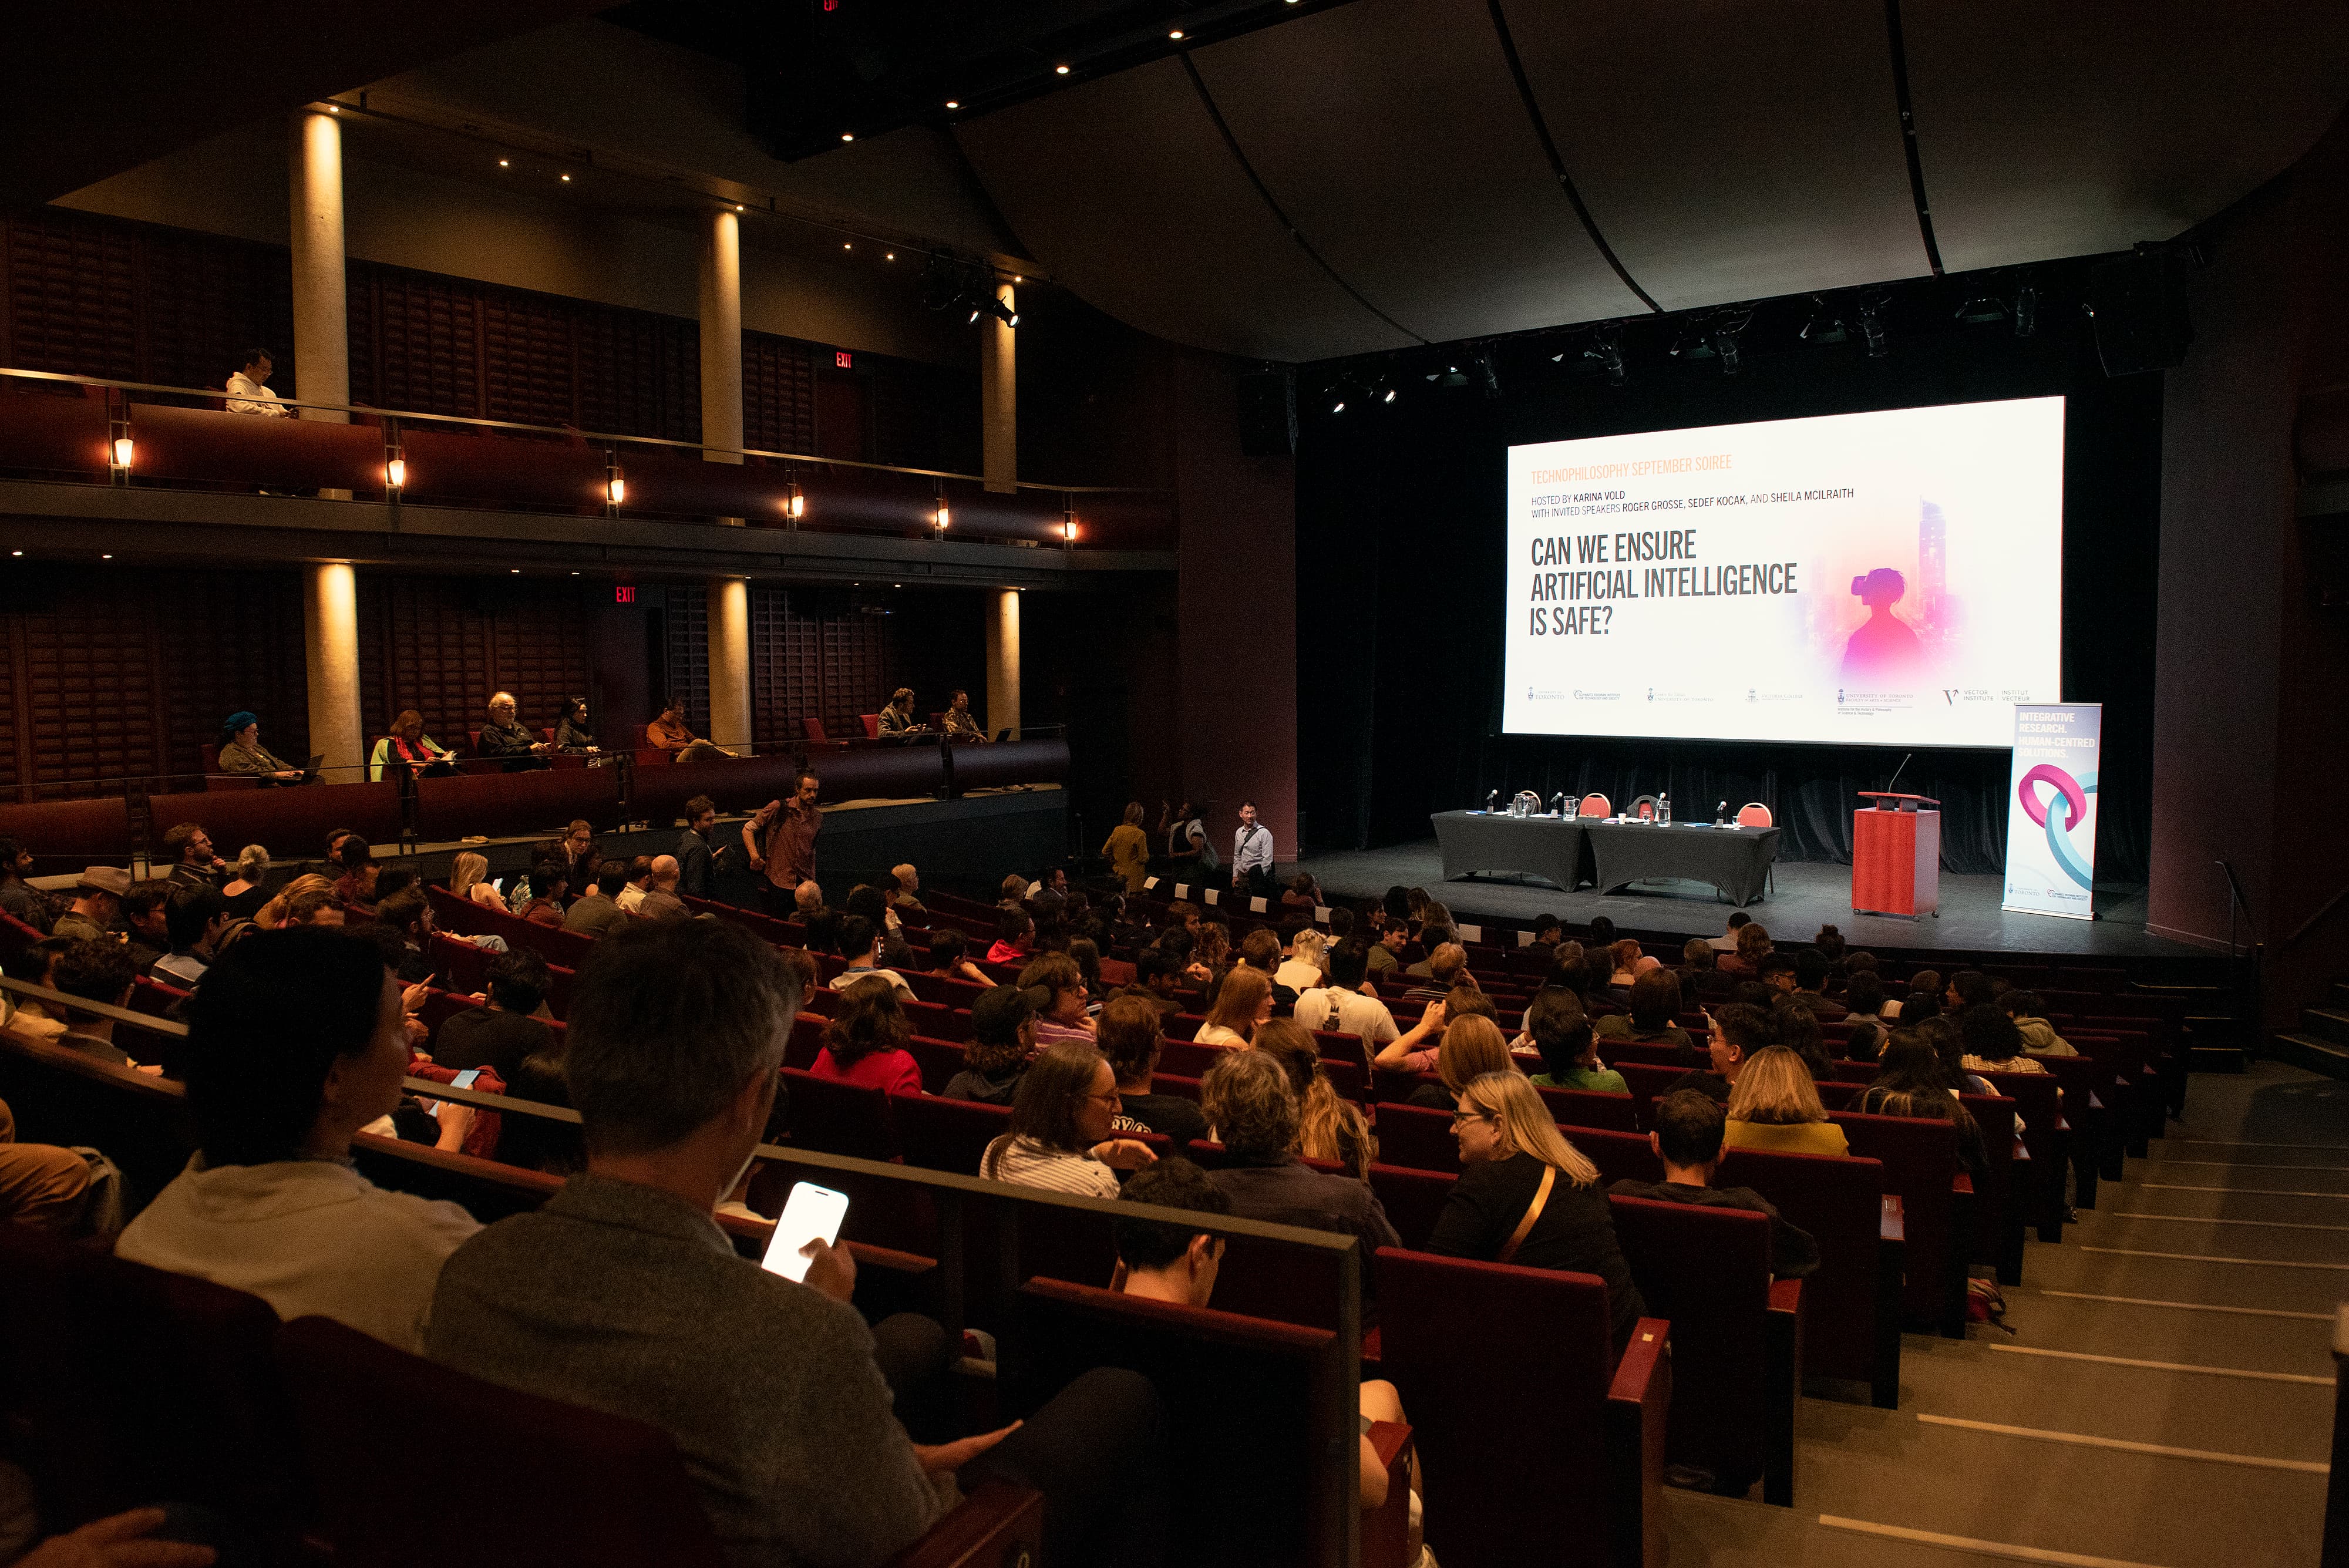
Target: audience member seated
1130	1033
1473	1045
669	734
1015	934
1561	1031
407	748
1993	1043
313	893
1157	979
297	1041
190	850
507	1027
1527	1196
103	972
247	888
1624	955
623	1294
660	901
959	724
1061	1118
1244	1002
864	1042
631	896
1002	1039
1303	969
1968	988
1211	951
1302	896
1830	945
950	957
20	900
1328	1126
468	879
1727	941
1701	977
196	918
1338	1005
42	1186
1385	954
97	905
897	714
356	887
1249	1100
1776	970
1863	996
1736	1033
860	944
1811	968
1687	1138
241	752
1909	1082
1865	1043
33	964
550	886
1745	961
248	388
1435	939
1941	1031
872	903
1654	1000
1059	987
572	734
1775	1105
599	912
1798	1031
145	923
1173	1264
2038	1035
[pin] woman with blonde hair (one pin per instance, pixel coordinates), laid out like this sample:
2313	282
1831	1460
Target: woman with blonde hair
468	879
1329	1128
245	892
1128	849
1244	1002
271	915
1473	1045
1775	1105
1527	1196
1306	967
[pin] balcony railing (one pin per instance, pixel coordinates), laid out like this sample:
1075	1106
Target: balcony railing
90	430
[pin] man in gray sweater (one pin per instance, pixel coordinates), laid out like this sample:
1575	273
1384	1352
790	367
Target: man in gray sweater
623	1294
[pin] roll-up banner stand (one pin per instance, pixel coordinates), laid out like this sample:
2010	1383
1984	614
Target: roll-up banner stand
2051	816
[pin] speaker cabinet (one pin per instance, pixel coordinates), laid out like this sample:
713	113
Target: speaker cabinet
2140	306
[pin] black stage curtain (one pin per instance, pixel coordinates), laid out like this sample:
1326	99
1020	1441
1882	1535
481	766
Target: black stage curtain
1400	621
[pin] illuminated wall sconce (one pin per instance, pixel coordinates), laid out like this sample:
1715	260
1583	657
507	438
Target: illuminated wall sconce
796	505
946	516
122	451
1068	527
395	473
617	490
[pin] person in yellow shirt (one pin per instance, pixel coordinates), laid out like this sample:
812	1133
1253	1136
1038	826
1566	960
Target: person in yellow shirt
1775	1105
1128	849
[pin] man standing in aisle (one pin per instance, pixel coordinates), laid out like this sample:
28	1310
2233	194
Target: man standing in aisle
1252	854
788	855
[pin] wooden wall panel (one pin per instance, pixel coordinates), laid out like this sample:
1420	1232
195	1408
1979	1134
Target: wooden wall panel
687	630
527	359
777	393
87	672
815	655
72	296
639	374
233	641
426	353
443	645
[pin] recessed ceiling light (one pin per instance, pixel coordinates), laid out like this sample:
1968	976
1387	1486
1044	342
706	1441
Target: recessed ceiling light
737	206
1060	70
892	255
106	557
566	178
847	246
505	162
954	103
1176	34
515	570
15	552
331	108
848	136
1017	278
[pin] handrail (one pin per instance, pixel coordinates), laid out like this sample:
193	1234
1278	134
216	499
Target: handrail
2236	901
149	1022
2311	923
572	432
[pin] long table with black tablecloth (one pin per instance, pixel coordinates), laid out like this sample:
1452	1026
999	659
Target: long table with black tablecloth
1546	847
1735	859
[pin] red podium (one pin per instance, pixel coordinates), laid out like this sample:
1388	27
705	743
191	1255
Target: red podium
1896	856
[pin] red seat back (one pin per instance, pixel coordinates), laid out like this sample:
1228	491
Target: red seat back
1594	805
1413	1200
1488	1421
939	1060
1919	1157
1753	813
575	1486
1840	1202
1708	1272
948	1135
1588	1108
832	1118
1418	1138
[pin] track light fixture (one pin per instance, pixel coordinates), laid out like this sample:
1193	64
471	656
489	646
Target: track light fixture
1824	326
1726	326
1489	372
1872	308
1981	309
2026	311
1606	351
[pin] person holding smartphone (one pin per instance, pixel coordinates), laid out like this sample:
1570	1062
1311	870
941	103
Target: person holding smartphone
622	1293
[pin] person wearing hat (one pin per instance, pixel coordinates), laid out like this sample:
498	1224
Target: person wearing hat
97	904
241	752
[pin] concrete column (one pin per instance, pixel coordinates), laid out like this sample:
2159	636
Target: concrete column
1003	661
322	343
998	398
330	644
721	338
729	663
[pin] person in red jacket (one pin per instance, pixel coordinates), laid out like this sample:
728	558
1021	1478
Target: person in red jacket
864	1044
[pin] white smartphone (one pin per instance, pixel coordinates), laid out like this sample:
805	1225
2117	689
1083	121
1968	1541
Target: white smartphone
812	1213
464	1080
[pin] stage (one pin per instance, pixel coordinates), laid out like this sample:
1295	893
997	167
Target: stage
1804	895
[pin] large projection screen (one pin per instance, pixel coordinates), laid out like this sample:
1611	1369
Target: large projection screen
1887	578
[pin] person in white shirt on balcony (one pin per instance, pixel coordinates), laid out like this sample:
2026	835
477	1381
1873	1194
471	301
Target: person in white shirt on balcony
248	389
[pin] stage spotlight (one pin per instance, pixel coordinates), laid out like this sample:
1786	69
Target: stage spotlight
1690	342
1871	325
1004	313
1388	396
1487	372
1825	325
1725	329
1981	309
2026	311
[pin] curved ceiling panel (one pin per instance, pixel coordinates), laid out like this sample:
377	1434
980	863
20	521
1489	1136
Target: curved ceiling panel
1391	132
1734	152
2067	129
1125	190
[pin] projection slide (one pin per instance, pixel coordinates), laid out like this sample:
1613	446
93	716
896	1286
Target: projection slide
1891	579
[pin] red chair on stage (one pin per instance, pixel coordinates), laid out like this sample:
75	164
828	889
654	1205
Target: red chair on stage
1594	806
1753	813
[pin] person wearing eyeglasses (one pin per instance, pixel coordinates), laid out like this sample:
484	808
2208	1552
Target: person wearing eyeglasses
1527	1196
1060	1124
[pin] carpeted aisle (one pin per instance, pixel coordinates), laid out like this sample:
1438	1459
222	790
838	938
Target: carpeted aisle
2165	1399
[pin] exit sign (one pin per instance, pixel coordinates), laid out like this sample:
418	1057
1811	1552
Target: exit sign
844	359
624	593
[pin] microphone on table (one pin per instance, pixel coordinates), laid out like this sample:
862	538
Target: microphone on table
1897	772
1493	801
1721	813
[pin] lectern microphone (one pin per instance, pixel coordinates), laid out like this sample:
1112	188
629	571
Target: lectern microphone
1897	772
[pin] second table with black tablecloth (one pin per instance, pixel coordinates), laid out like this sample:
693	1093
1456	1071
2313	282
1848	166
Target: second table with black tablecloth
1545	847
1736	860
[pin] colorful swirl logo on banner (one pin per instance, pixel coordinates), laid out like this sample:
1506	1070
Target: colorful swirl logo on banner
2073	792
